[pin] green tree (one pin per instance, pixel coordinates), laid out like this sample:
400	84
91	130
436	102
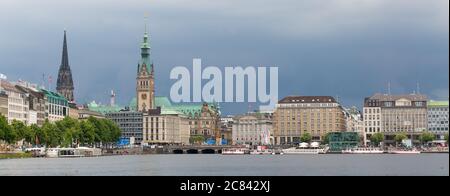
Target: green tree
377	138
197	139
53	136
326	138
88	133
426	137
21	131
69	130
99	128
446	137
106	131
36	136
400	137
113	131
306	137
4	127
7	133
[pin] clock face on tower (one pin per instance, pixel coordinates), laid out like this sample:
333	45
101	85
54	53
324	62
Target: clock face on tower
144	96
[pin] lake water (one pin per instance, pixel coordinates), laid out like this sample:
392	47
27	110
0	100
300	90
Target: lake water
234	165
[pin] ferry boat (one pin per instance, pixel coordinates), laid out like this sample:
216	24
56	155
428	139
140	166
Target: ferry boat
261	152
363	150
305	148
296	150
237	151
413	151
36	152
73	152
280	152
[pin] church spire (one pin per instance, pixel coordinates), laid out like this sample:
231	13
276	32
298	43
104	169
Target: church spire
64	85
65	56
145	52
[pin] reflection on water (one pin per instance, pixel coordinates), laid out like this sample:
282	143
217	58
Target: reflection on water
193	165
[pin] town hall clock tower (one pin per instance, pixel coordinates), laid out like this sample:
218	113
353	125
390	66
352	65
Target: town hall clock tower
145	86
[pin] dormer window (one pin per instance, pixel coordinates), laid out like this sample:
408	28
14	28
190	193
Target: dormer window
403	102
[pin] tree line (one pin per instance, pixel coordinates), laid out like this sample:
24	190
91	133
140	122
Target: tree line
424	137
68	132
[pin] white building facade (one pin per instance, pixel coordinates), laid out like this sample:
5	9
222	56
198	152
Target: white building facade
438	118
56	106
161	128
392	114
253	129
17	103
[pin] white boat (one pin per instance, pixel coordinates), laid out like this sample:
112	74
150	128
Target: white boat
73	152
89	152
260	152
36	152
296	150
52	153
305	148
362	150
275	152
414	151
233	151
254	152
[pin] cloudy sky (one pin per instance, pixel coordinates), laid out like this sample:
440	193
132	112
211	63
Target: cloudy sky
345	48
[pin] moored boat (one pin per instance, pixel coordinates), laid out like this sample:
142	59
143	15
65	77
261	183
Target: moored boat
413	151
72	152
363	150
235	151
305	148
36	152
295	150
261	152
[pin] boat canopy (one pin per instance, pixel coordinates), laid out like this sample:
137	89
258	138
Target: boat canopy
315	144
304	145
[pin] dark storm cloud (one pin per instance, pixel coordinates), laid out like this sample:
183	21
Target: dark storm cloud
346	48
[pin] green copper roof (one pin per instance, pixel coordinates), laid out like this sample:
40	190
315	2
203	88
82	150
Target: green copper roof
103	109
53	95
168	108
145	55
437	103
133	104
162	102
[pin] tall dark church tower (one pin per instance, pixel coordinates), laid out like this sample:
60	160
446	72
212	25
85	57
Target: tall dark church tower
64	84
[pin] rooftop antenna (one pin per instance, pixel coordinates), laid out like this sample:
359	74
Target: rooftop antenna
43	80
389	88
113	98
49	82
418	88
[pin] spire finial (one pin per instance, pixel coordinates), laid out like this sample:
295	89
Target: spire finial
146	21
